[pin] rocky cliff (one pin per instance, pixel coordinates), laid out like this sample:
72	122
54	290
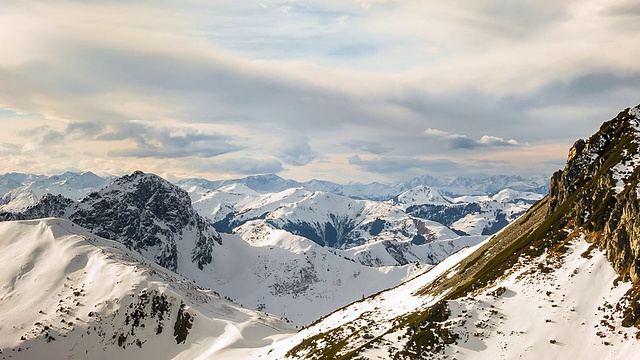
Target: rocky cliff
598	190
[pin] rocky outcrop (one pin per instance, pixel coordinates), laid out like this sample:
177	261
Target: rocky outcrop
598	190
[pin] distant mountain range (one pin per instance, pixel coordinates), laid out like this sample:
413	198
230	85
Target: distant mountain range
457	186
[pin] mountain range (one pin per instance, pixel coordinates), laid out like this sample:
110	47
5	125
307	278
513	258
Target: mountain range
140	267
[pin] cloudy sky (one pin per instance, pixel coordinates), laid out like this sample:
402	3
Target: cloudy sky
336	89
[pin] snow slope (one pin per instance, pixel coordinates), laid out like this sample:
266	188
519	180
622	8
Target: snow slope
67	294
376	314
566	313
292	276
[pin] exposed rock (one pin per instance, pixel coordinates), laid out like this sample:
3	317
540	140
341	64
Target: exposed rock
183	324
598	189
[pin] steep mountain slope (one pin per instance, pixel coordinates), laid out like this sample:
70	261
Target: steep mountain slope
68	294
293	277
561	281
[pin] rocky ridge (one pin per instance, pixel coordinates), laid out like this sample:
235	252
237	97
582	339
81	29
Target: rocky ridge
598	190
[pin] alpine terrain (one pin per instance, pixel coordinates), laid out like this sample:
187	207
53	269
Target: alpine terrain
296	253
269	268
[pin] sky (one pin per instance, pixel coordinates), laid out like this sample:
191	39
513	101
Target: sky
337	90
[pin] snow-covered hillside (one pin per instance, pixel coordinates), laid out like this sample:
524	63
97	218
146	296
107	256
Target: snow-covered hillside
369	318
572	311
570	306
293	277
67	294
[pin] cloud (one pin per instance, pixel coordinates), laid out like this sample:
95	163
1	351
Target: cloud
488	140
215	79
236	165
45	135
295	150
371	147
457	141
9	149
167	142
394	164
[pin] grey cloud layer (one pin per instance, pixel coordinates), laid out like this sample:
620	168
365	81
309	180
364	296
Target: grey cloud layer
530	76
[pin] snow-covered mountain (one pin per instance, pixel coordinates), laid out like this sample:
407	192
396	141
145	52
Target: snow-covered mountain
68	294
560	282
340	222
478	214
142	211
275	271
458	186
19	191
421	194
372	233
414	218
217	200
304	253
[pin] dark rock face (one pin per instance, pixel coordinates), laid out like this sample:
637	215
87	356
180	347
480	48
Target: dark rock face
598	190
184	323
147	213
444	214
142	211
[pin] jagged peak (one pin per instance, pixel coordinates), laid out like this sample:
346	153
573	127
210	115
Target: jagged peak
137	180
139	175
